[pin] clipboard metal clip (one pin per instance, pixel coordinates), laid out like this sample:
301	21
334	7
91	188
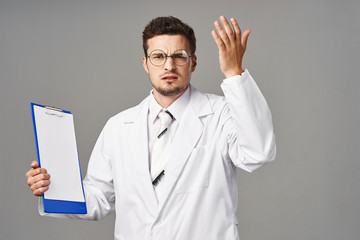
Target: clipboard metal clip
50	110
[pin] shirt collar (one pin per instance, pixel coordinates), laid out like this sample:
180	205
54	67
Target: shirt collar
177	108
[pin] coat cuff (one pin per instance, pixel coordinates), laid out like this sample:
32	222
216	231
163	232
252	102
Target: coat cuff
240	78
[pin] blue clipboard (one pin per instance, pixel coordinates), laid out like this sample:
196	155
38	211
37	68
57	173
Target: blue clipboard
57	152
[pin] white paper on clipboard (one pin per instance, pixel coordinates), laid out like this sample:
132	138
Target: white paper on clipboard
58	153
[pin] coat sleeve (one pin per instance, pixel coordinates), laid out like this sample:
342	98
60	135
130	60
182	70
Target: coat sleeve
250	136
98	183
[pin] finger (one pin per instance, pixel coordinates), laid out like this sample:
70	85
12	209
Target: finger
227	27
244	38
218	40
237	28
224	37
35	171
40	191
40	184
40	177
31	173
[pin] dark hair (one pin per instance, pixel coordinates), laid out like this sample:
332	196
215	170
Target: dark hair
171	26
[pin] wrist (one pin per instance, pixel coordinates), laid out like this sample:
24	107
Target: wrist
229	74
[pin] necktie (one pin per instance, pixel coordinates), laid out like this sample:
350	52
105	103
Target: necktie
160	152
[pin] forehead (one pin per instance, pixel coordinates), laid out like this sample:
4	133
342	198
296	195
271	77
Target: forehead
168	43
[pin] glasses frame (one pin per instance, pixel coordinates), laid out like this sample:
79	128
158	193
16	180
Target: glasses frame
171	56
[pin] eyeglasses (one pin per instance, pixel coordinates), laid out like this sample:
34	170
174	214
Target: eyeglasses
159	57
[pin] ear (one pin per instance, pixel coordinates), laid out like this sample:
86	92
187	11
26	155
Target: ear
194	63
145	64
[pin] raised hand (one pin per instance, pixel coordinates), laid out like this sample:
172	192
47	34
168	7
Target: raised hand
231	44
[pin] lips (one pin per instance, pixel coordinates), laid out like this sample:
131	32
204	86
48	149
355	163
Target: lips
169	78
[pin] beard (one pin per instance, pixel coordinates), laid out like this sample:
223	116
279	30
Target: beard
170	90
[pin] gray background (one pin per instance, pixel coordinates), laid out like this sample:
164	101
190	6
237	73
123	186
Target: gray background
85	56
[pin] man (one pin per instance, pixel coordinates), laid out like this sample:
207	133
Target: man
186	188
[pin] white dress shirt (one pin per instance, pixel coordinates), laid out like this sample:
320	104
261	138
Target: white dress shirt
176	109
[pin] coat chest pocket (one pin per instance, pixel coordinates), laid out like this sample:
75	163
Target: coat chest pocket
195	175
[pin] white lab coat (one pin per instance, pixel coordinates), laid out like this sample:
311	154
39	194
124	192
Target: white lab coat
214	136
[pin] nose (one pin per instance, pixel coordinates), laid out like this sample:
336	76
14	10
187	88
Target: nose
169	63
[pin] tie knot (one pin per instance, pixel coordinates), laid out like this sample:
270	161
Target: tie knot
165	118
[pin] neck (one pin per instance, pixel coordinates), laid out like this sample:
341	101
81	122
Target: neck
166	101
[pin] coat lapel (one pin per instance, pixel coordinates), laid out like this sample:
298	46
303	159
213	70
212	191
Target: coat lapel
138	143
187	135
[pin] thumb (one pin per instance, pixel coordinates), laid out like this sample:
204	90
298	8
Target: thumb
34	164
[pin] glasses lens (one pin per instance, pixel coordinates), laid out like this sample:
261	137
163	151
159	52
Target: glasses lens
157	57
180	57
